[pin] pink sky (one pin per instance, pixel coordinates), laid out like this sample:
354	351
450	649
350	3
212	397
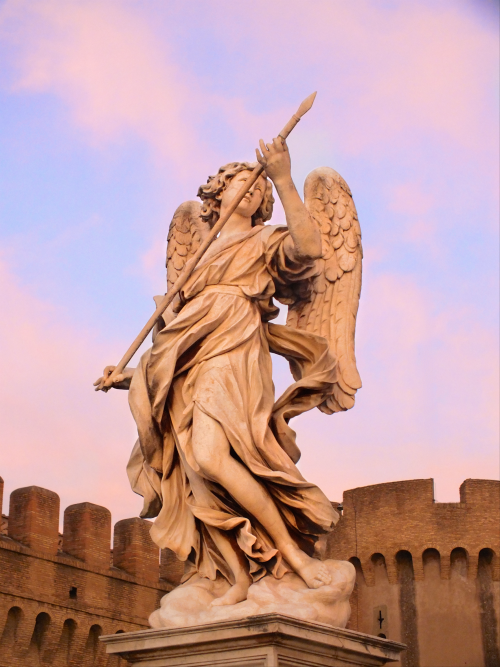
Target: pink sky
110	79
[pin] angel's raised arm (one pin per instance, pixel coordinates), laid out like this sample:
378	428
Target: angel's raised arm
305	238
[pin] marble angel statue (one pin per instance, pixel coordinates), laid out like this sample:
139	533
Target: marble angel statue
216	457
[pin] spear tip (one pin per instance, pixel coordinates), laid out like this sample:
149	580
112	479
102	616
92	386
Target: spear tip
306	105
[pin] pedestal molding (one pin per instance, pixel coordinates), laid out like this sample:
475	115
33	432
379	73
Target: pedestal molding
267	640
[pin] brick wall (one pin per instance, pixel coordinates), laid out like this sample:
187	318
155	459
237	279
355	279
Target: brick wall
58	595
427	574
429	570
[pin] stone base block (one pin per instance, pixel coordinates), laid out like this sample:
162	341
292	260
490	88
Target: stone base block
268	640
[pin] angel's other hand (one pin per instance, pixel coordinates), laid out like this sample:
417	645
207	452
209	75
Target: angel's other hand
121	378
99	383
275	158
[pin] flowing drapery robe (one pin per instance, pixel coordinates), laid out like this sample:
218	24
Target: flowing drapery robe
216	355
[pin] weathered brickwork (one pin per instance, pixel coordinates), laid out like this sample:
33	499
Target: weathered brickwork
59	593
427	572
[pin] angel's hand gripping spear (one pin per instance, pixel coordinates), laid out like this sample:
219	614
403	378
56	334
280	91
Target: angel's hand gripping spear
107	382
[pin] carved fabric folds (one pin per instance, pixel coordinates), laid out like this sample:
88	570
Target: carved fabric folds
216	354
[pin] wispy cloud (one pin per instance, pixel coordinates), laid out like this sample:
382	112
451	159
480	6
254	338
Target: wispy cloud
387	69
104	61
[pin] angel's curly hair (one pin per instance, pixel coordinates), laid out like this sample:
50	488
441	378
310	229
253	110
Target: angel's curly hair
211	194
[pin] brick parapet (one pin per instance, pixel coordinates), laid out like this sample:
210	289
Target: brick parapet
445	606
388	518
79	583
480	491
133	549
87	533
34	518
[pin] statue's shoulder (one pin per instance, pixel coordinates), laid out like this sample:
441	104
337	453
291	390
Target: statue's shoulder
267	231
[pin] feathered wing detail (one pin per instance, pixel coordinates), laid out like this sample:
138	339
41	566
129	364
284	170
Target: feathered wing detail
330	309
185	234
187	230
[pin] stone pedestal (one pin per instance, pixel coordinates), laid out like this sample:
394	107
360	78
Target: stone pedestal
268	640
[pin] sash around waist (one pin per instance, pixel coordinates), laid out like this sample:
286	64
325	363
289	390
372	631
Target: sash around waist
222	289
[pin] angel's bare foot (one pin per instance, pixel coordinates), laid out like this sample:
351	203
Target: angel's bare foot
235	594
313	571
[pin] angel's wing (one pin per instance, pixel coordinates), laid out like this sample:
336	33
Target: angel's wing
332	305
187	230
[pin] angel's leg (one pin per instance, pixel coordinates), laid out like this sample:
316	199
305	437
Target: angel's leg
212	452
238	564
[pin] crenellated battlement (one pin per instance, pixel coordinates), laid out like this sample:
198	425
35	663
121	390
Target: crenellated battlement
403	516
427	572
87	533
68	589
33	522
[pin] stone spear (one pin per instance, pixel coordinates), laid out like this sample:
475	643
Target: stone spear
191	264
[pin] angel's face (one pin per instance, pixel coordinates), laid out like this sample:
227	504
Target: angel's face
253	198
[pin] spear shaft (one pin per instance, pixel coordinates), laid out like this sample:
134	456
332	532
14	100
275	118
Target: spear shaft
191	264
